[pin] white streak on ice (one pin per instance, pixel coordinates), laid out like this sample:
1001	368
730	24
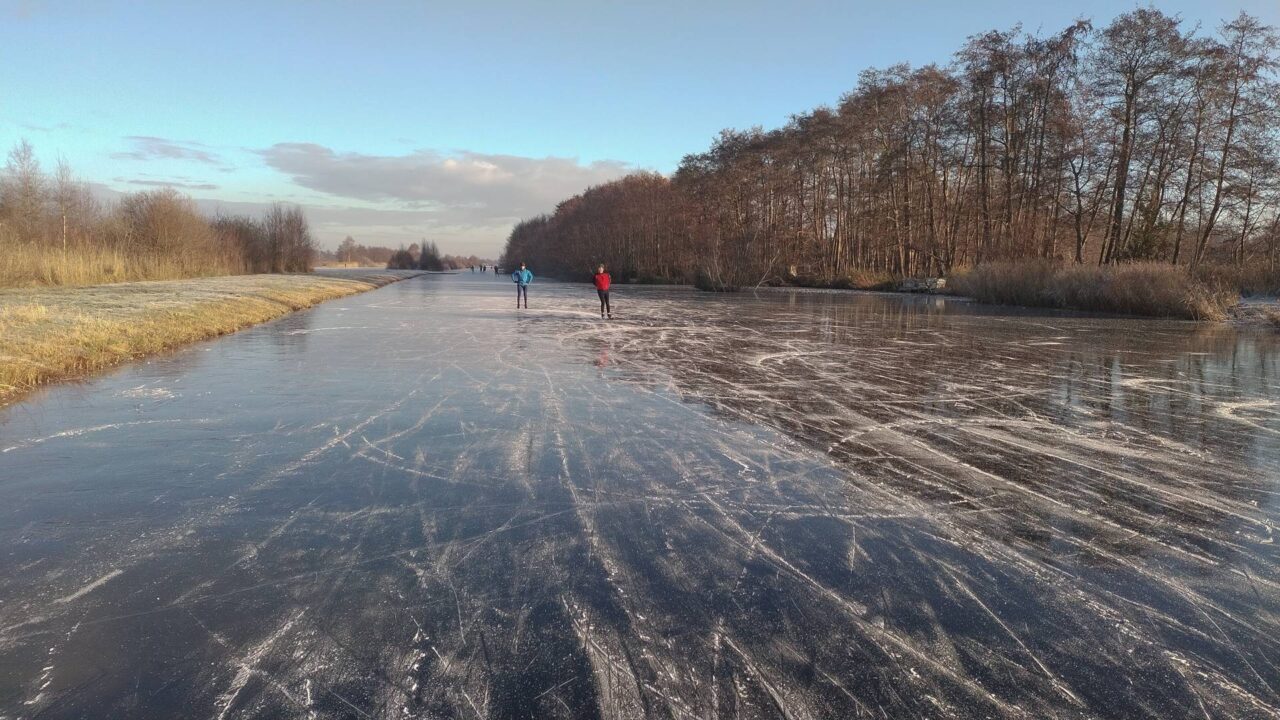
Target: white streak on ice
90	587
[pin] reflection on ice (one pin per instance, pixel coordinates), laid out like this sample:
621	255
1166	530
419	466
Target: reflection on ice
426	504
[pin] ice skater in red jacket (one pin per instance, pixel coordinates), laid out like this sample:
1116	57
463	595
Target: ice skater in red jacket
602	281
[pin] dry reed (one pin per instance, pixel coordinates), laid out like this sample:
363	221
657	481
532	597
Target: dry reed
1147	288
36	266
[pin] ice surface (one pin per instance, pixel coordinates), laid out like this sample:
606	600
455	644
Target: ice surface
425	503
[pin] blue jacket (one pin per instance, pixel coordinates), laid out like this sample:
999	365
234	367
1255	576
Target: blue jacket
522	277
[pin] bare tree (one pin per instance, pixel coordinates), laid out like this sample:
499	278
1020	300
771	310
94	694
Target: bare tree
1131	142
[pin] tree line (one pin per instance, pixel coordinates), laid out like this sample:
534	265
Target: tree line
417	257
428	257
53	230
1141	140
351	252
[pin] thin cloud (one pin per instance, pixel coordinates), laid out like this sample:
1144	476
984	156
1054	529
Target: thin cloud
171	184
47	128
467	201
463	188
154	148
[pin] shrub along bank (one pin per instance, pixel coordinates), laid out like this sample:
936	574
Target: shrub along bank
1141	288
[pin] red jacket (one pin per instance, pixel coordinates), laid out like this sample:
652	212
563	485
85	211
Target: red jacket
602	281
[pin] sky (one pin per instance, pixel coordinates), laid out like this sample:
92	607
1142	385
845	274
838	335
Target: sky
450	121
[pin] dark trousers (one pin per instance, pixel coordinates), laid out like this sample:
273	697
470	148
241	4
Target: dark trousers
604	302
522	290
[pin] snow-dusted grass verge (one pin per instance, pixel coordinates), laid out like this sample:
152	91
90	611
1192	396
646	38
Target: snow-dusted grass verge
48	334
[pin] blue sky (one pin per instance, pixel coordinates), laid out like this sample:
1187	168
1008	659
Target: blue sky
393	121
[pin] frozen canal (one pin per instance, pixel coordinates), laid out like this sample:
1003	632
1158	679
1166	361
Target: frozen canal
421	503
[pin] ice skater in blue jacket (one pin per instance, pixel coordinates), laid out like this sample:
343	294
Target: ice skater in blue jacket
522	278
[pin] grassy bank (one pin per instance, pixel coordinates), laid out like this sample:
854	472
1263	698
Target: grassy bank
53	333
1151	289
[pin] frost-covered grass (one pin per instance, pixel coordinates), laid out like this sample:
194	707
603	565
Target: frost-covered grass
1147	288
1272	316
51	333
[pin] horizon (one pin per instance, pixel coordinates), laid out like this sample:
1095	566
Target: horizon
397	123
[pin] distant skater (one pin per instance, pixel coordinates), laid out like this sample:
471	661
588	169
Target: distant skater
602	281
495	270
522	278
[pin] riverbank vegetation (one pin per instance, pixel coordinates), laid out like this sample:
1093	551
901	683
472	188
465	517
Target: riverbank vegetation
427	256
1134	288
1140	144
353	254
52	333
54	231
415	257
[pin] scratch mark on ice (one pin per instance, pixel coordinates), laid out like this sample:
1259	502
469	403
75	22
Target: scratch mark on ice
90	587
